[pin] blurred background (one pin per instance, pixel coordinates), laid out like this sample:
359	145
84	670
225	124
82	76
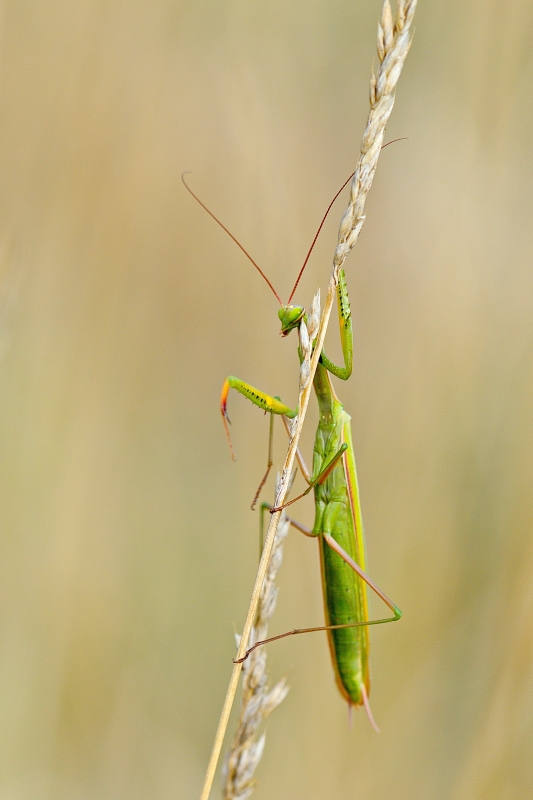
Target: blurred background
128	549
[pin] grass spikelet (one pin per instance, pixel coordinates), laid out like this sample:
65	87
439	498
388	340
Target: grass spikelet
258	701
394	41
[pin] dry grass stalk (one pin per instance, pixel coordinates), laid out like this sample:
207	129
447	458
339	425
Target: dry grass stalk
394	39
257	700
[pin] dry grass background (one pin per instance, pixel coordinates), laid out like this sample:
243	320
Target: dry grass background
128	548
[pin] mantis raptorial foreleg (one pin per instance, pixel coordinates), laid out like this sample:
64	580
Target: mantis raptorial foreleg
346	333
271	404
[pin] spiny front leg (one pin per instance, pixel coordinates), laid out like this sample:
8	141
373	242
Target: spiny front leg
271	404
345	328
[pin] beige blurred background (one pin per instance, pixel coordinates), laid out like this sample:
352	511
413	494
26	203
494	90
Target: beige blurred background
128	549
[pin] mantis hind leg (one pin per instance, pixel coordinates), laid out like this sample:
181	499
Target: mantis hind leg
351	563
369	582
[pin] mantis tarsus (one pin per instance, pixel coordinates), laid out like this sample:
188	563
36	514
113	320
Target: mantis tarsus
338	523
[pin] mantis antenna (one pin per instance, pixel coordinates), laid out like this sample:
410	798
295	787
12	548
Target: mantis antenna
324	219
247	254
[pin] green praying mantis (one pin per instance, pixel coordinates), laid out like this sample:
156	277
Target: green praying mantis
338	524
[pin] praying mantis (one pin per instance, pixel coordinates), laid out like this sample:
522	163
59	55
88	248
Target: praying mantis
338	524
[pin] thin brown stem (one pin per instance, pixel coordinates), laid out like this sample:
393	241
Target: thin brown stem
269	543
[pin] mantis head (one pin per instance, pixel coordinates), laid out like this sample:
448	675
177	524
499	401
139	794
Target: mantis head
290	317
